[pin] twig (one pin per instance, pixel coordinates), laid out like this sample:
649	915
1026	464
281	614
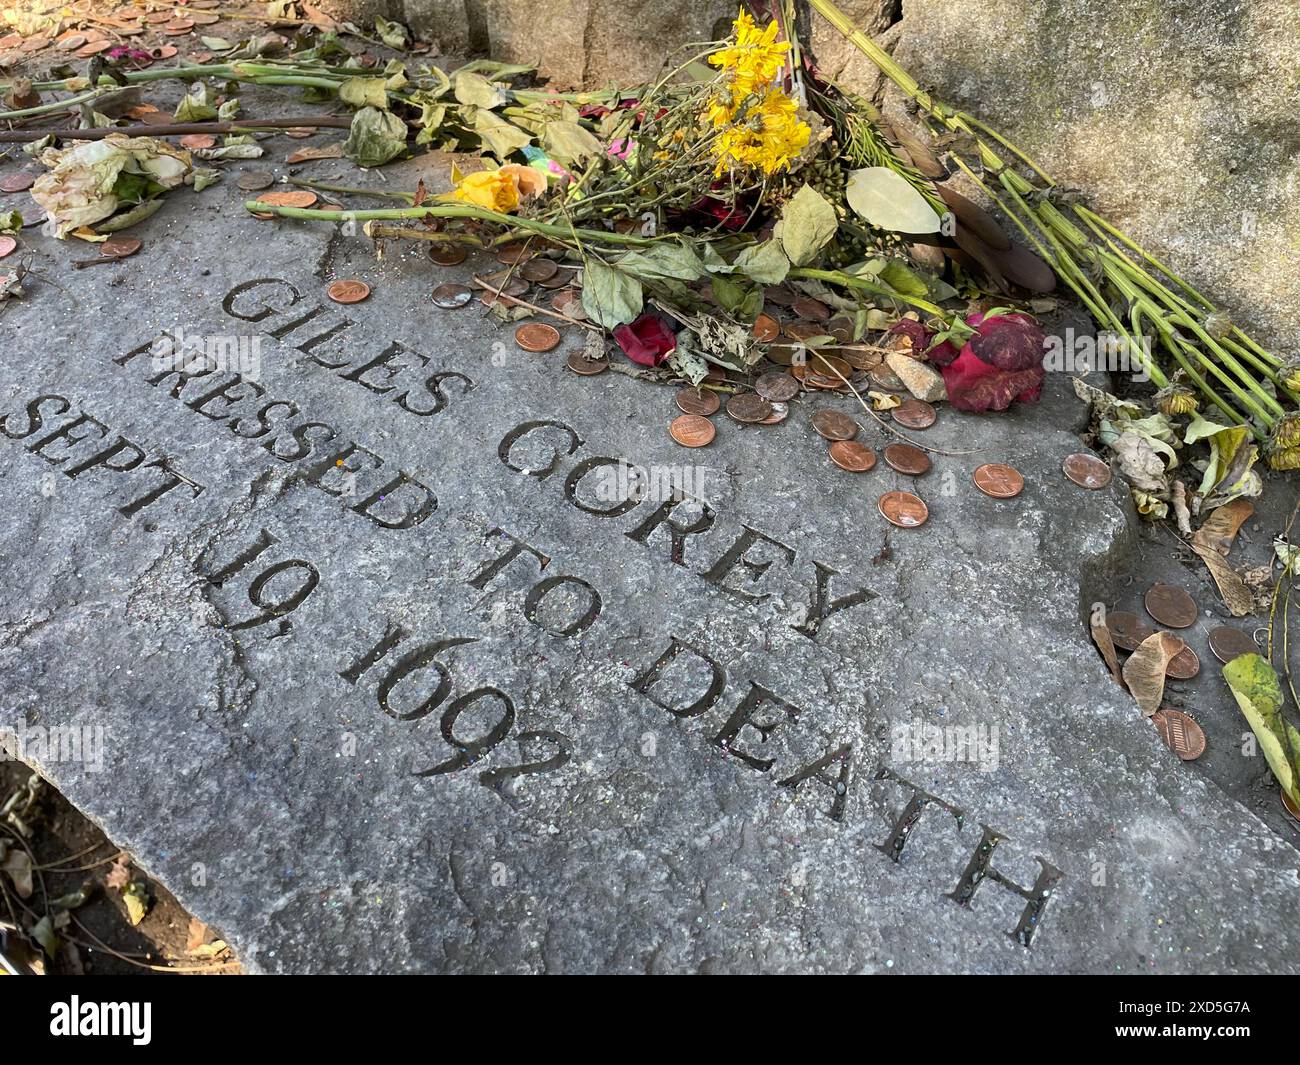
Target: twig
516	301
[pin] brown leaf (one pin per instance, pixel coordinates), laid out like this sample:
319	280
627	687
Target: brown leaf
195	935
1102	638
19	867
119	876
1144	672
306	155
1213	541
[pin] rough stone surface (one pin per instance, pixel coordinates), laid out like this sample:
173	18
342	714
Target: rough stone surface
267	778
1177	119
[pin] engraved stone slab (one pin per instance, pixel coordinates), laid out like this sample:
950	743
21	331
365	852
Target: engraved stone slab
395	673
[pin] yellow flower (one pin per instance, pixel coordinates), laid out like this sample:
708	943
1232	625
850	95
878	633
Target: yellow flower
529	181
493	189
768	136
755	59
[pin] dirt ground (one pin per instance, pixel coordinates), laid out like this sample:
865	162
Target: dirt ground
71	852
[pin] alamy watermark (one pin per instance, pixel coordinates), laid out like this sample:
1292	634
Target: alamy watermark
58	743
619	482
919	741
191	352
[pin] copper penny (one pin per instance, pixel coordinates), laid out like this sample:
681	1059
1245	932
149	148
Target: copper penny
698	401
904	509
829	366
19	182
748	408
67	44
204	20
158	17
1171	606
35	44
512	254
907	459
780	412
777	387
448	254
1127	630
884	378
1227	643
255	181
999	481
766	328
579	363
7	245
1181	734
1290	807
692	430
562	276
166	51
295	198
807	307
537	336
177	28
568	301
852	456
93	48
348	291
1087	471
779	295
500	284
120	247
198	140
832	425
539	270
1184	665
914	414
449	297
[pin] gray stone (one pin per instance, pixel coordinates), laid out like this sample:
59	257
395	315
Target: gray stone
275	649
1177	120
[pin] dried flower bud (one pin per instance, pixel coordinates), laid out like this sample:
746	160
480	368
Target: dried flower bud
1218	325
1176	400
1286	434
1288	459
1289	374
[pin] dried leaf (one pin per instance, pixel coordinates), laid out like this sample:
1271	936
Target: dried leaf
1212	542
1144	672
304	155
119	876
19	867
1102	638
1258	692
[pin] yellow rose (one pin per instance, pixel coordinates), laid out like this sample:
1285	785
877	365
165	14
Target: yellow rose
491	189
528	181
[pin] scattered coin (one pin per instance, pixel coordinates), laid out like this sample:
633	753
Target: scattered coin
914	414
777	387
348	291
449	297
766	328
7	245
1290	807
1087	471
692	430
294	198
581	363
832	425
167	51
178	28
120	247
568	301
1171	606
852	456
780	412
198	140
563	276
448	254
255	181
511	254
882	377
998	481
1181	734
698	401
807	307
748	407
539	270
19	182
68	43
508	286
159	17
904	509
93	48
204	20
1227	643
155	118
537	336
905	458
1127	630
1184	665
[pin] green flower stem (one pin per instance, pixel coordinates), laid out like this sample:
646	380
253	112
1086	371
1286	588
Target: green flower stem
837	277
345	190
455	210
57	105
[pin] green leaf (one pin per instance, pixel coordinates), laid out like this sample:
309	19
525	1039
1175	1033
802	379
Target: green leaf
569	142
742	299
217	44
365	92
502	138
888	200
436	75
765	263
392	34
196	105
495	70
204	176
136	897
609	296
903	280
10	221
471	88
807	225
1258	692
375	137
663	261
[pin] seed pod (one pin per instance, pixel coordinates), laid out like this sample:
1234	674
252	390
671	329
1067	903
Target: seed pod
976	219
